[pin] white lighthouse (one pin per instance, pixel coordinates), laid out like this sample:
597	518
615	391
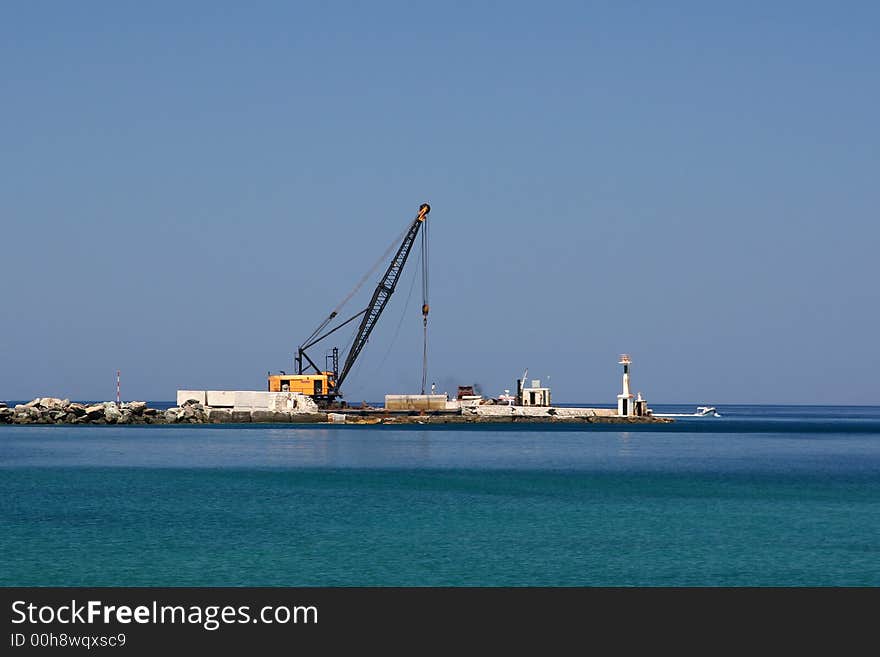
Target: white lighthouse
625	404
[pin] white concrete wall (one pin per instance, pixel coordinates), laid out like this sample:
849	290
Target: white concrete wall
273	401
250	400
253	399
185	395
293	401
501	410
221	398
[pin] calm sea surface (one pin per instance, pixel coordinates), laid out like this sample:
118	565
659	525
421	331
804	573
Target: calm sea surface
766	495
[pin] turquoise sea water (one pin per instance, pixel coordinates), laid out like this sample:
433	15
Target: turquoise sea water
762	496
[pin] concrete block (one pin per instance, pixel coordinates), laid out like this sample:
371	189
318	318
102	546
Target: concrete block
308	418
584	412
250	400
253	399
272	401
494	410
219	415
283	401
185	395
221	398
241	416
300	403
270	416
415	402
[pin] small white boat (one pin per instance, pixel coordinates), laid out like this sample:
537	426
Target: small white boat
702	411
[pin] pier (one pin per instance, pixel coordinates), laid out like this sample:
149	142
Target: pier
51	410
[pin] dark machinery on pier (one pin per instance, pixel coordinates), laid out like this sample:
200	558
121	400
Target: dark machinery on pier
324	385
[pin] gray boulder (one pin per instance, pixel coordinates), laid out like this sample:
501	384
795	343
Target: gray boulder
137	407
77	409
94	412
111	413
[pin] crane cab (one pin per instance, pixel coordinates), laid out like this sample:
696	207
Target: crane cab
313	385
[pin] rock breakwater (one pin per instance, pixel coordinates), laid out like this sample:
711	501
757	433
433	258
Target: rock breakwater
51	410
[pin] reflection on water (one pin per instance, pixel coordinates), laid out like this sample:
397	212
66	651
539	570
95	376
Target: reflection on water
274	446
625	445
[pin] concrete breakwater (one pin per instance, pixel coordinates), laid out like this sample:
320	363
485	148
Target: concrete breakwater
449	418
51	410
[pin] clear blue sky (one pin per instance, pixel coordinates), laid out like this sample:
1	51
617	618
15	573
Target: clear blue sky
186	189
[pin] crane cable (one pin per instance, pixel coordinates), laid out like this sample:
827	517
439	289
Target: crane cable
378	368
425	307
383	258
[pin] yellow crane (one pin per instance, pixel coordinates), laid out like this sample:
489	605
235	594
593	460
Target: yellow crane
324	385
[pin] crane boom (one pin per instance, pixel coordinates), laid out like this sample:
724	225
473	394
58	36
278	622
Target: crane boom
383	293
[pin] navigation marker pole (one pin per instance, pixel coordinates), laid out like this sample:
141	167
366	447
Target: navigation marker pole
117	388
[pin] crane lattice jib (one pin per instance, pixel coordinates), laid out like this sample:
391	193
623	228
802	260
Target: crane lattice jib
383	293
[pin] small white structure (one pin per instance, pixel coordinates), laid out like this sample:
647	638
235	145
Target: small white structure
536	395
